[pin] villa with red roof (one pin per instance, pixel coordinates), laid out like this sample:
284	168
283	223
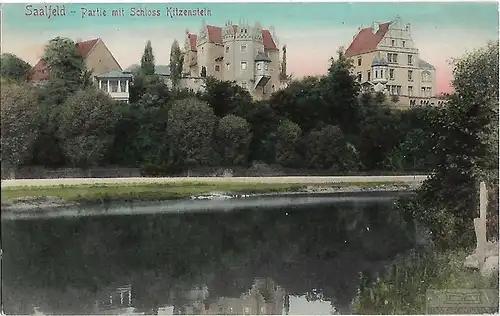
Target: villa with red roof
107	71
385	59
248	55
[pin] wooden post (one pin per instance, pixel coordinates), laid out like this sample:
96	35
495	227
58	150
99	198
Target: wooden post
480	224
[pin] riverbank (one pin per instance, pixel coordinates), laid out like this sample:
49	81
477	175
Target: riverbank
404	287
41	197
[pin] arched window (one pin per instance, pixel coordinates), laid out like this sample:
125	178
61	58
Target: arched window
426	76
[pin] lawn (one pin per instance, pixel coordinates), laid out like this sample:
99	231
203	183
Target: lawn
141	191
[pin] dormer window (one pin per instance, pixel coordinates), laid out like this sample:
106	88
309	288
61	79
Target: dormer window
243	48
259	66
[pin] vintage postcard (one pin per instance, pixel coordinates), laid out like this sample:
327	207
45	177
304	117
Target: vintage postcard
256	158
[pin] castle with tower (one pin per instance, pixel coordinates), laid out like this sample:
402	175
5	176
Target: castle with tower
248	55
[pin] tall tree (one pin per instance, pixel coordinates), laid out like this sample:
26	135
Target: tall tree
14	68
64	62
287	136
233	139
176	60
191	123
465	153
148	61
283	70
340	92
19	107
87	122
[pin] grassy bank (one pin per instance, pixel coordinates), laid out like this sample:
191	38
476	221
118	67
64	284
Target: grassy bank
149	192
157	191
402	288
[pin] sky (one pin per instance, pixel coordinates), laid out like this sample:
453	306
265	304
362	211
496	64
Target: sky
312	31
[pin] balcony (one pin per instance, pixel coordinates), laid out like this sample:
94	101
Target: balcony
116	84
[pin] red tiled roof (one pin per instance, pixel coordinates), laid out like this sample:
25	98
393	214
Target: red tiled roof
41	72
366	40
84	48
192	41
215	36
268	40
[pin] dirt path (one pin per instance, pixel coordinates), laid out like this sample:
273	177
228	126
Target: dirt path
286	180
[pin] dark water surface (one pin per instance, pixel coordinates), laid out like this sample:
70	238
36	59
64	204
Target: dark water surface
293	257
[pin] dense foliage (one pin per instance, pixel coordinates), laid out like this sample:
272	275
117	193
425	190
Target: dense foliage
316	123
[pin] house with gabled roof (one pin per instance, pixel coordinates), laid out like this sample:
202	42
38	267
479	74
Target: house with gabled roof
386	59
245	54
107	72
98	59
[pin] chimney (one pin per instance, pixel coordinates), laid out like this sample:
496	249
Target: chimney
375	26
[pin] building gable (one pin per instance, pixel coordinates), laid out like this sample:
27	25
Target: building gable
101	59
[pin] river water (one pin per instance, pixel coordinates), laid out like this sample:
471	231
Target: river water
264	255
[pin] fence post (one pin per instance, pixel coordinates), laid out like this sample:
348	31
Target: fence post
480	224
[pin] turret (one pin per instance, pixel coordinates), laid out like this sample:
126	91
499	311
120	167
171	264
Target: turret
262	72
379	70
227	32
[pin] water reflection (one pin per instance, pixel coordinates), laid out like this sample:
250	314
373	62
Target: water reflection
297	259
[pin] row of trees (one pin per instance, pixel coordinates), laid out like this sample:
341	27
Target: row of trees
317	122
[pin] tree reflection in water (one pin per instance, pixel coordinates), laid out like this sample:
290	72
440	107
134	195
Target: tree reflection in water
199	263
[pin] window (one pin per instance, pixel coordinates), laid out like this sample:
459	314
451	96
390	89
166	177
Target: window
359	61
392	58
227	49
228	66
376	73
266	67
244	84
426	92
243	65
391	74
123	86
410	60
404	44
360	77
426	76
247	310
369	75
217	68
381	73
259	66
410	91
395	90
410	75
273	88
393	42
243	48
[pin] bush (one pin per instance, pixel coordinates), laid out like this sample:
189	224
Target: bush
402	288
